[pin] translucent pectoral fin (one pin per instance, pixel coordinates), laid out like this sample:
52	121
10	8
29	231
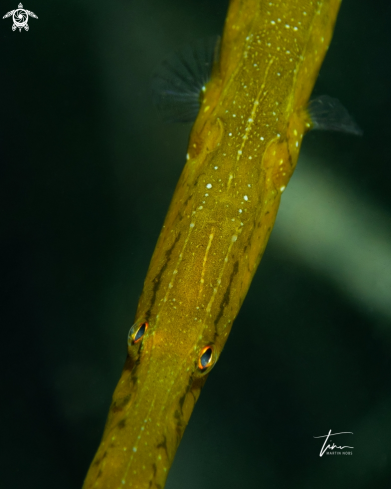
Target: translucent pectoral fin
329	114
179	83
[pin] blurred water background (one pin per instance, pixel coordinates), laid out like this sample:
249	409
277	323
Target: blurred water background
87	173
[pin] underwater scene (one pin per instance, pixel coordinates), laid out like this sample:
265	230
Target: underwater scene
94	135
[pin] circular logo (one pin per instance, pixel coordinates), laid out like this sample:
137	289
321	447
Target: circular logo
20	18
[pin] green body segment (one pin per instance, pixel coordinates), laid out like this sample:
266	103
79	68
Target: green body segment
242	152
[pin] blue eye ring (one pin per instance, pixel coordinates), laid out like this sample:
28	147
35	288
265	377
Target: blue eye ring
206	358
137	332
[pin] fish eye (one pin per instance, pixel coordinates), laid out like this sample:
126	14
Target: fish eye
206	358
136	333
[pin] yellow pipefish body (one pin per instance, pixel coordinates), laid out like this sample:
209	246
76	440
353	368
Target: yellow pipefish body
242	152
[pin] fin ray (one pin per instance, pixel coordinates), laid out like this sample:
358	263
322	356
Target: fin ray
327	113
177	86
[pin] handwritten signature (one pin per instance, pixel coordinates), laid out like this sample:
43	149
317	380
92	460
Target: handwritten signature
331	447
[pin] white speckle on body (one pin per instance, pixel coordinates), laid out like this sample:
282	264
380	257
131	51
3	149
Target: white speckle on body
209	185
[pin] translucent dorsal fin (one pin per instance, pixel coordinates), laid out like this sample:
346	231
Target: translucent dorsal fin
329	114
180	81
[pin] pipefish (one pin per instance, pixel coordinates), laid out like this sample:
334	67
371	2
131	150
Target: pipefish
243	149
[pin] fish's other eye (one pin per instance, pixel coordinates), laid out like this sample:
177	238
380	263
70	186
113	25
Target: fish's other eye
136	333
206	358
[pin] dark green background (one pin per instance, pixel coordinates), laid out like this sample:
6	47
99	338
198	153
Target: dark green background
87	173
